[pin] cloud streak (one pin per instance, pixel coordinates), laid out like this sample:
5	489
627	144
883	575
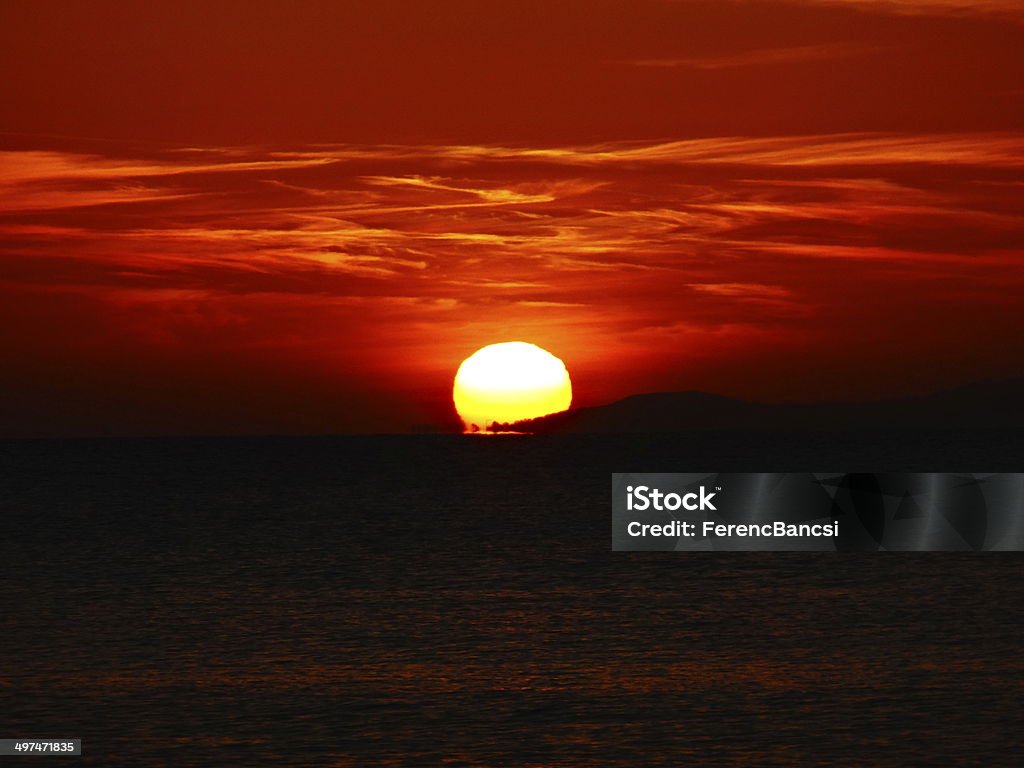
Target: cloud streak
761	57
1009	8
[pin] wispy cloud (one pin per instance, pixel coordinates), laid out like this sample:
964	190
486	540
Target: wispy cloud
1012	8
760	57
1000	149
43	166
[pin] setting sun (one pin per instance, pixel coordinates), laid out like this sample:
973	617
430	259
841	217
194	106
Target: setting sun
508	382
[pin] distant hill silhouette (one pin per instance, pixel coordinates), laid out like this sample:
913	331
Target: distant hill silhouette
983	405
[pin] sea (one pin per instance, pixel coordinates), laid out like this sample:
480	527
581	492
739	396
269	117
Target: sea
451	600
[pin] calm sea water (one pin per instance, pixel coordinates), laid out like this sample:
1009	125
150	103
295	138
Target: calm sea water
454	601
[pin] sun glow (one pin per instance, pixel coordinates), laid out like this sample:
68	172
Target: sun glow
508	382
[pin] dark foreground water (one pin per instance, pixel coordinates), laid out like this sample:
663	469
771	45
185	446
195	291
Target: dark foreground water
453	601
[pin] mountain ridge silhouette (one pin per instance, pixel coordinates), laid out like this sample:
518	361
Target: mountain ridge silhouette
988	404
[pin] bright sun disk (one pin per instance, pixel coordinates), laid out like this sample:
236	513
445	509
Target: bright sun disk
509	382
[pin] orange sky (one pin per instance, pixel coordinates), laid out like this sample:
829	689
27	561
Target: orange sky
278	217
